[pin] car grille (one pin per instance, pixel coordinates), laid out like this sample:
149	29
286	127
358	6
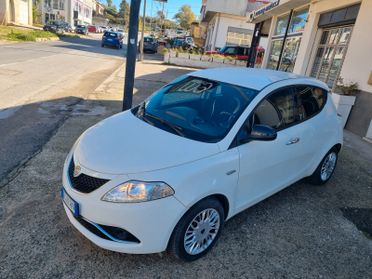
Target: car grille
84	183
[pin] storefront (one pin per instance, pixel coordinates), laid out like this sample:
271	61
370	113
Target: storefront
326	39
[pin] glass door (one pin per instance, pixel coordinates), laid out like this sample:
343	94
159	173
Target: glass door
331	54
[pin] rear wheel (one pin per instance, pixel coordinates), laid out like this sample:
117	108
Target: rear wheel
325	169
198	230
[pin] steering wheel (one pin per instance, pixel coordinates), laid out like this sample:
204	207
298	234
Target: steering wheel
228	116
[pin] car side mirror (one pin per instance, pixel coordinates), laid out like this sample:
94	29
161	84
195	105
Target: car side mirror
258	132
263	133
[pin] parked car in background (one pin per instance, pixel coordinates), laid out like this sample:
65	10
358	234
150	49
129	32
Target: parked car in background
249	133
92	29
238	52
81	29
150	44
114	39
57	27
103	28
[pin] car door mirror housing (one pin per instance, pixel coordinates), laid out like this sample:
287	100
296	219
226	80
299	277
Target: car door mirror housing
258	132
263	133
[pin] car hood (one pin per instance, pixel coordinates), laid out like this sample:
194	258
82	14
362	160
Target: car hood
124	144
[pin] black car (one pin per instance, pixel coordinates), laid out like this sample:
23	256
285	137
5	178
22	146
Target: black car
81	29
57	27
150	44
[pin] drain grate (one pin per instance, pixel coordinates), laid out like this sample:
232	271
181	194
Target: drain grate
361	217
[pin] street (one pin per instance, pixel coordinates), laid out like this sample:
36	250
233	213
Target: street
34	72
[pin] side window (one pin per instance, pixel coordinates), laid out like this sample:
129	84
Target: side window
267	114
309	101
284	102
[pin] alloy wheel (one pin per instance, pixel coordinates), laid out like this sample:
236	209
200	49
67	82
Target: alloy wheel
202	231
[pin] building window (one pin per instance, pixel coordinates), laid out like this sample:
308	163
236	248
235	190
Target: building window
55	4
330	54
239	36
61	4
288	54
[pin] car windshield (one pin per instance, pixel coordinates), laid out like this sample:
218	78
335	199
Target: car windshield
111	34
81	26
196	108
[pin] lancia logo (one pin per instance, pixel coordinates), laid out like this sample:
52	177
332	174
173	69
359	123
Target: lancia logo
77	171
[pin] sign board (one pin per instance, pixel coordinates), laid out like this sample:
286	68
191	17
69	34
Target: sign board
260	11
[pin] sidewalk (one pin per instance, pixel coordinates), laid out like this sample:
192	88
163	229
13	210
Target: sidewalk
298	233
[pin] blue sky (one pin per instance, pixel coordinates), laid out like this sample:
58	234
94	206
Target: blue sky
171	7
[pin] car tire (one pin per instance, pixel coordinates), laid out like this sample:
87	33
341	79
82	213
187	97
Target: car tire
325	169
183	239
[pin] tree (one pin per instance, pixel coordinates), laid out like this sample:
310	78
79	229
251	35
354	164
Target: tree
124	12
185	16
109	3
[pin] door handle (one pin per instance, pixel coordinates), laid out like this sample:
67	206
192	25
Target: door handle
293	141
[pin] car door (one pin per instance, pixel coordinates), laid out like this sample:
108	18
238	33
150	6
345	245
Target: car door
268	166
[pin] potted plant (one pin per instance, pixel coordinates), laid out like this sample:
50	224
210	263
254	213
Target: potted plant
343	97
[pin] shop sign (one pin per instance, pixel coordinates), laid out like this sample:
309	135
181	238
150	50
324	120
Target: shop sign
253	15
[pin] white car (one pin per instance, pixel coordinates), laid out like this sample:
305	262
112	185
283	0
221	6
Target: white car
167	174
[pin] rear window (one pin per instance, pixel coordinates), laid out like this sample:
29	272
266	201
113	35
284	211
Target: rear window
111	34
148	40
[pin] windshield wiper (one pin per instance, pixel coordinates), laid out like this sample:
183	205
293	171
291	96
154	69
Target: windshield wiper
175	128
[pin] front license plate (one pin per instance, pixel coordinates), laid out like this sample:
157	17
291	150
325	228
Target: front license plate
110	40
70	203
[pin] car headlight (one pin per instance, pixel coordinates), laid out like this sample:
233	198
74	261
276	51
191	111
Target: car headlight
138	191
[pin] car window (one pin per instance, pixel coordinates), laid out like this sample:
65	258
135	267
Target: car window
198	108
230	50
309	101
267	114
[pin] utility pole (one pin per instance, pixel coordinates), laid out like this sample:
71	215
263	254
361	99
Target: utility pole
143	31
130	65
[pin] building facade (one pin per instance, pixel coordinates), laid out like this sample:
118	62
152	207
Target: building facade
72	11
226	22
325	39
16	12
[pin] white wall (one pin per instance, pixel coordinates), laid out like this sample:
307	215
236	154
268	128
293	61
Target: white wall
235	7
358	61
221	26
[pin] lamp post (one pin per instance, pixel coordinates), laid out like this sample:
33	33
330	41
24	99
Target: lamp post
130	65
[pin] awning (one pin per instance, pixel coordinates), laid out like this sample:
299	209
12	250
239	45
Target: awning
276	7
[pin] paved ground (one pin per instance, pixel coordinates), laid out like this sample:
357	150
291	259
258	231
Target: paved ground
36	80
301	232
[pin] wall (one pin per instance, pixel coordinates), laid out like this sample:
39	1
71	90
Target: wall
358	61
22	12
234	7
217	29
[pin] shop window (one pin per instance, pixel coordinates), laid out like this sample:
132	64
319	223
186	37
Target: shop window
298	21
281	25
292	44
276	47
330	54
284	58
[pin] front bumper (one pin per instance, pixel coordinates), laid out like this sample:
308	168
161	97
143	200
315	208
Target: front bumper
151	222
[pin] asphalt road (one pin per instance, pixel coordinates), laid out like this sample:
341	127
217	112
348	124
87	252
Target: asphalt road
54	74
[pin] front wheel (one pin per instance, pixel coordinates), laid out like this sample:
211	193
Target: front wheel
198	230
325	169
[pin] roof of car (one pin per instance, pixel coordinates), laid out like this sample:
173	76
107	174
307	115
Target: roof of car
248	77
